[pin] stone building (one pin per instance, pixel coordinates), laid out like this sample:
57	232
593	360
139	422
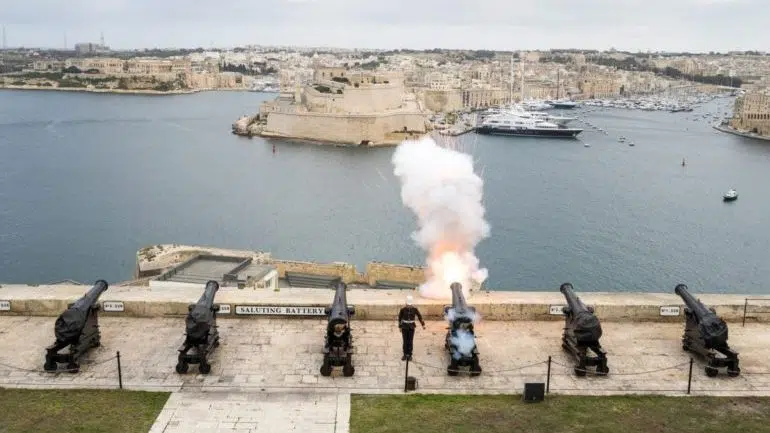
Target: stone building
446	101
752	113
104	65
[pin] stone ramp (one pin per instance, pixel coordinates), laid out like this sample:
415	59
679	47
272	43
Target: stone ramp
285	355
251	412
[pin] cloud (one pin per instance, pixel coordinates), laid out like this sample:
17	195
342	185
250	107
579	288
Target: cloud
495	24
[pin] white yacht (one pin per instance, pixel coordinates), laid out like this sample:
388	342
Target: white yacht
534	105
564	104
517	110
511	124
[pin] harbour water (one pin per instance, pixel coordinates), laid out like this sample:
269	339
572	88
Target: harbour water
87	179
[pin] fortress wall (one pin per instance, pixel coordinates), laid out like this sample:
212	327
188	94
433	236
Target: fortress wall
373	304
377	271
373	99
347	129
346	271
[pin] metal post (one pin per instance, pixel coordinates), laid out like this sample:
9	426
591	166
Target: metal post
689	378
406	375
120	372
548	377
745	307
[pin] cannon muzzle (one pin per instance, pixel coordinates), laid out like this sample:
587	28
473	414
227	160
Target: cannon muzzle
458	299
207	299
72	321
574	303
339	311
694	305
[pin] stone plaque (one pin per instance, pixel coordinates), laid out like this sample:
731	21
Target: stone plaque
113	306
669	311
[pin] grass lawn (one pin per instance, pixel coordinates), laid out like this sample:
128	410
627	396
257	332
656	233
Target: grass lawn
78	411
557	414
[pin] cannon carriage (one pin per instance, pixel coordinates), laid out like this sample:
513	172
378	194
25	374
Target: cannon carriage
582	331
705	334
338	341
460	341
77	330
202	333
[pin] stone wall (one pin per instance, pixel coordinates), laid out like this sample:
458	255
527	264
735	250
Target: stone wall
346	271
377	271
378	304
341	128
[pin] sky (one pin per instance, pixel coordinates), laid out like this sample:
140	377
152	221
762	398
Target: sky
632	25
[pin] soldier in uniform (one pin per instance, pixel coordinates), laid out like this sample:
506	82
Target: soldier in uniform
406	319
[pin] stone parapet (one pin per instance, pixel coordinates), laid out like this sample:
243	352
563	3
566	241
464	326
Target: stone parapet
374	304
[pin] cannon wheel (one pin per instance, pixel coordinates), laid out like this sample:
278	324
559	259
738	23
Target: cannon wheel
580	371
734	373
475	369
602	370
326	367
50	365
711	372
452	369
73	367
181	367
348	369
204	367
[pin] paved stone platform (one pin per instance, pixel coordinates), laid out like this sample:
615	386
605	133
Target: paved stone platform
271	355
252	412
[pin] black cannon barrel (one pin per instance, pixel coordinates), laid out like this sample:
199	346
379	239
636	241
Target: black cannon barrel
91	296
207	299
201	316
695	305
458	299
73	319
339	309
573	300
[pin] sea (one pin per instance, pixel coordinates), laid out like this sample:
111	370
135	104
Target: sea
88	179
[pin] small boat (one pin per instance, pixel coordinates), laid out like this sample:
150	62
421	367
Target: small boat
586	145
731	195
622	139
631	143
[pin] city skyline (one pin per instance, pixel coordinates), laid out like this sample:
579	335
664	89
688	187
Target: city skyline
673	26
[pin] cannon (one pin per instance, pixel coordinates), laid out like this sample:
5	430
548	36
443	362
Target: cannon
338	343
202	334
78	328
705	334
582	331
460	342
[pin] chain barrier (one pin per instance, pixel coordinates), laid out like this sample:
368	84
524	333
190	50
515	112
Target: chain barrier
58	370
594	373
189	384
485	372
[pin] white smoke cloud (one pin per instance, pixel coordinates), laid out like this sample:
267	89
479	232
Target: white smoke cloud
464	341
440	187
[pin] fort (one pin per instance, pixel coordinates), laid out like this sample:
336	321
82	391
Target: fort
343	107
